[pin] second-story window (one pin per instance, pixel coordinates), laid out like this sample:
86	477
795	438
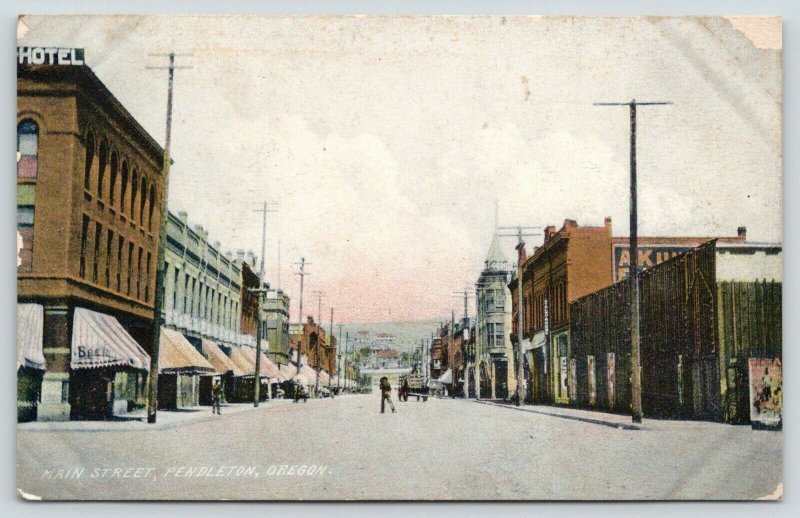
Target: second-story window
112	179
27	149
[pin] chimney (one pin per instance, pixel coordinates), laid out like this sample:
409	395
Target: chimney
741	232
521	254
570	224
549	232
198	229
217	244
205	235
607	223
229	255
240	255
184	217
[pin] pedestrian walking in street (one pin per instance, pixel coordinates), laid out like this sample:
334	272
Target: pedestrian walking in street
386	394
216	398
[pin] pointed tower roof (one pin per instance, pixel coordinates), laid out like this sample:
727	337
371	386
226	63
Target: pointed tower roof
495	258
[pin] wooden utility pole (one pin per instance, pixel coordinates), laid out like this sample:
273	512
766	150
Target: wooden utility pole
257	375
302	273
158	303
264	210
330	342
339	357
319	295
633	266
520	233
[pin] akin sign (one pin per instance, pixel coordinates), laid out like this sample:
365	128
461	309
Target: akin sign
49	56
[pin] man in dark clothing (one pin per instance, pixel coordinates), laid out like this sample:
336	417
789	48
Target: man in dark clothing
386	394
216	395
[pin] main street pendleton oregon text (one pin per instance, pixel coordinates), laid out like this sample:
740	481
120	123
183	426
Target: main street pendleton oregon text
154	364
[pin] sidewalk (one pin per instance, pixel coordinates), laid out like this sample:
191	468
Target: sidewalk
622	422
137	420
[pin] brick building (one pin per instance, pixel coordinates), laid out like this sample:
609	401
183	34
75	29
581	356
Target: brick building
570	263
314	344
89	185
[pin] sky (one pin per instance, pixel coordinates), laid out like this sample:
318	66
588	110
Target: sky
386	140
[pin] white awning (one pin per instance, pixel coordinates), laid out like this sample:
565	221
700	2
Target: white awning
30	323
447	377
99	340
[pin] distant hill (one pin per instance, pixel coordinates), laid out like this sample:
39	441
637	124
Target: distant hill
407	334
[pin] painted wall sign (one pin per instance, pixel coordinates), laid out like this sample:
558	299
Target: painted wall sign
49	56
649	256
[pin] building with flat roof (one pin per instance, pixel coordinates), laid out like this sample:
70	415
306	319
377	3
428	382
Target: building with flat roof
89	196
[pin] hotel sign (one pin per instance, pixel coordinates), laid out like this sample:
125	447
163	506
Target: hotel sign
49	56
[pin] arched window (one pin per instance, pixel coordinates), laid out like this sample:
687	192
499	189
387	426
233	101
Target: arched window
134	192
90	151
113	179
123	187
27	149
143	202
152	206
103	162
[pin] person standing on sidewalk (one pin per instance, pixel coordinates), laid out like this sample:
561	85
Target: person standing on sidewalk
386	394
216	398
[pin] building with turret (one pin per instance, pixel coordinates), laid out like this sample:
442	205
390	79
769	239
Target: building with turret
494	372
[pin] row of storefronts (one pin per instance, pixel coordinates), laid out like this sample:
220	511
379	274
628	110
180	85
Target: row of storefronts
86	275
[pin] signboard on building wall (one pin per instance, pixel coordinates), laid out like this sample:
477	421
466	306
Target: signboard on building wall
766	391
649	256
49	56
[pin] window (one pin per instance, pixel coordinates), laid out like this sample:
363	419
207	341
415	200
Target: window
130	267
489	298
25	216
499	299
101	173
109	248
87	174
139	273
499	339
134	191
143	201
186	294
84	246
27	149
120	249
147	277
113	179
175	290
152	206
123	187
98	232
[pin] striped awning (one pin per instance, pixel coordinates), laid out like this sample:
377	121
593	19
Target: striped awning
240	359
176	354
30	323
268	369
218	359
99	340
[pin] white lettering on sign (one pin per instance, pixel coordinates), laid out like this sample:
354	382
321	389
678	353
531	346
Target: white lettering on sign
49	56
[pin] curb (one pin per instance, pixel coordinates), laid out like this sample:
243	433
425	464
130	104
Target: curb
610	424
